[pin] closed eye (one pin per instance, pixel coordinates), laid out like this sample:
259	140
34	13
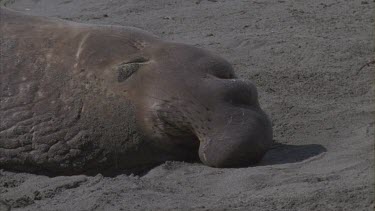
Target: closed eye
126	69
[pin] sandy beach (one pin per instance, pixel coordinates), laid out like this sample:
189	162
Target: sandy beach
312	62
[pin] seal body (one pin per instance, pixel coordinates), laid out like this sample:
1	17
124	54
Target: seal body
79	98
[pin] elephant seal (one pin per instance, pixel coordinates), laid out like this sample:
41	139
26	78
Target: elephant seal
80	98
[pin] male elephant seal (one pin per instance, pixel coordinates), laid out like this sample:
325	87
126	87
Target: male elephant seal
79	98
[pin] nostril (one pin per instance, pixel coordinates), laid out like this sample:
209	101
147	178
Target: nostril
238	99
221	70
240	93
223	74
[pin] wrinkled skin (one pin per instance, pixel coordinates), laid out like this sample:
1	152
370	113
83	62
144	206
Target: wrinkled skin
79	98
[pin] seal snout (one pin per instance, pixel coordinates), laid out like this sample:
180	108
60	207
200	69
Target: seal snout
191	100
240	132
239	139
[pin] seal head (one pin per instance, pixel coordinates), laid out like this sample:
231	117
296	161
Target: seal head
188	98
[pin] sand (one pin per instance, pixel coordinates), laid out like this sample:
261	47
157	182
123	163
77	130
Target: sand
305	57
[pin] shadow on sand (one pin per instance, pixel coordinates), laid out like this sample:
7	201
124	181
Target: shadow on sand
285	153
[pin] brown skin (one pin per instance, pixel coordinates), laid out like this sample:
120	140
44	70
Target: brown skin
85	98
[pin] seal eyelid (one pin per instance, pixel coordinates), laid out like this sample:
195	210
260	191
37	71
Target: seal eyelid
138	60
126	69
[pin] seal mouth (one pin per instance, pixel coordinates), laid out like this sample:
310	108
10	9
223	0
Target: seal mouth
232	137
171	132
